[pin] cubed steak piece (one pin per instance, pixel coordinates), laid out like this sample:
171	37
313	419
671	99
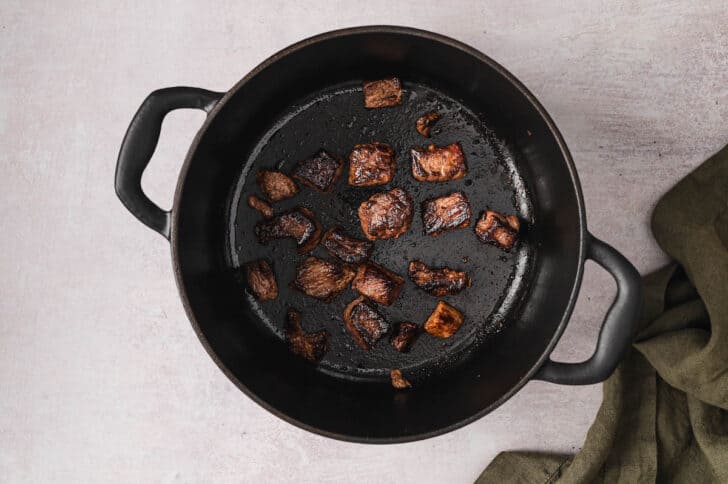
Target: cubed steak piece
371	164
445	213
403	337
438	163
261	280
310	346
377	283
444	321
438	282
386	215
398	380
499	230
276	186
260	205
322	279
321	171
349	249
298	224
425	122
382	93
364	323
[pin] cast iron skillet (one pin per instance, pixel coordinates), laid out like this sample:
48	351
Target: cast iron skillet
308	97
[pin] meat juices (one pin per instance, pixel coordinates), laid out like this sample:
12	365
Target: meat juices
445	213
438	282
404	336
386	215
377	283
320	172
298	224
444	321
260	205
382	93
425	122
276	186
438	163
347	248
398	380
310	346
261	280
364	323
499	230
322	279
371	164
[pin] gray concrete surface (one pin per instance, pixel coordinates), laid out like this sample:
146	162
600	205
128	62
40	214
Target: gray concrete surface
101	376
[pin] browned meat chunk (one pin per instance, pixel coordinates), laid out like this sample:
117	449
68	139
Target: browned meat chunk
377	283
364	323
320	172
446	213
349	249
382	93
261	280
311	346
404	336
444	321
499	230
386	215
322	279
438	282
276	185
371	164
398	380
298	224
438	163
425	122
260	205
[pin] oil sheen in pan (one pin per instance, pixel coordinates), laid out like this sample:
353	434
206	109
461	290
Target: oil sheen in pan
336	120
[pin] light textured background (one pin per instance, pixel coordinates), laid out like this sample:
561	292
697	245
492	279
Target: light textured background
101	376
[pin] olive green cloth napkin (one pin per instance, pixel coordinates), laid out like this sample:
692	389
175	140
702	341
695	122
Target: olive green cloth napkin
663	418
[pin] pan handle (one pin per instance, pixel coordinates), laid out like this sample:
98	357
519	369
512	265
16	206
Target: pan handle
618	329
139	144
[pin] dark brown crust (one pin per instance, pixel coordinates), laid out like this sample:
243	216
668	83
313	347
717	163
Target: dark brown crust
398	380
260	205
382	93
298	224
499	230
320	172
364	323
310	346
377	283
371	164
425	122
349	249
276	185
444	321
386	215
445	213
438	282
322	279
438	163
261	280
403	337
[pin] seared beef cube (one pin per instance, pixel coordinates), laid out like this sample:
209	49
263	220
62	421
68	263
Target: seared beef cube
382	93
261	280
438	282
364	323
499	230
260	205
349	249
444	321
386	215
322	279
425	122
298	224
320	172
404	336
398	380
276	185
438	163
377	283
311	346
371	164
446	213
